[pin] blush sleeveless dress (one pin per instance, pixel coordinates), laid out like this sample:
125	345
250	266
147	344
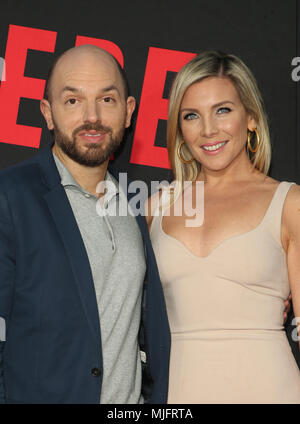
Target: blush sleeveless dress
226	316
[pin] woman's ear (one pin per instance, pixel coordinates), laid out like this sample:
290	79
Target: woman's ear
252	124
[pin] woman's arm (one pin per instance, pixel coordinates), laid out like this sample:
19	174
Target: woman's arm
291	244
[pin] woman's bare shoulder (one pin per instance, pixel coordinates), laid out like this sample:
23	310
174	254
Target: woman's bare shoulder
293	197
291	210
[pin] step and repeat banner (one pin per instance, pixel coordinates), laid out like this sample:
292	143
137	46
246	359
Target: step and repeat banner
152	40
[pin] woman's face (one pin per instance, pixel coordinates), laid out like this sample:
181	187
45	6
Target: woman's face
214	123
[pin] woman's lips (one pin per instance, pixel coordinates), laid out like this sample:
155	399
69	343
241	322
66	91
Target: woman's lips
214	149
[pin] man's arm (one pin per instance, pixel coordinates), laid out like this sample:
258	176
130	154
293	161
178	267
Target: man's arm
7	275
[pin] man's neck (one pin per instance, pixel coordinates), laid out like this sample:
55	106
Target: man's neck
87	177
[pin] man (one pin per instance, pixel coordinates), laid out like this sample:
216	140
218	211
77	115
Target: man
72	280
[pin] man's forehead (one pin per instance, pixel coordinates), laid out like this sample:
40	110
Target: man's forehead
84	68
86	53
84	78
86	64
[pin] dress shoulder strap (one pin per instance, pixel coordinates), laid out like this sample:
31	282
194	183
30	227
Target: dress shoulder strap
273	216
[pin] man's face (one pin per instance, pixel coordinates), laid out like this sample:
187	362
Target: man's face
88	111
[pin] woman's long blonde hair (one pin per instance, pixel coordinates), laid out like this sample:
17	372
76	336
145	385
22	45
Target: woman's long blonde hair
216	64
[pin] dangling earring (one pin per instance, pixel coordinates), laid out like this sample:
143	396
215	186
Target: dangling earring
186	162
253	150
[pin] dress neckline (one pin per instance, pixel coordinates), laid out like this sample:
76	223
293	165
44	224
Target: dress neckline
182	245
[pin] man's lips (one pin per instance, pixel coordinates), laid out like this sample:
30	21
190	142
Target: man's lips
93	136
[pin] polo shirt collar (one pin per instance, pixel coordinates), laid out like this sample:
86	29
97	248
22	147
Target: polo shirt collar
67	180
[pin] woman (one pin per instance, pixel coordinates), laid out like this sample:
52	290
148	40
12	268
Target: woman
225	280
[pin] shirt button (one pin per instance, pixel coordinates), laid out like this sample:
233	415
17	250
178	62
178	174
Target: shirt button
96	372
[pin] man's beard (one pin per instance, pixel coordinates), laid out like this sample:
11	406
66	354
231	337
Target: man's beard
95	153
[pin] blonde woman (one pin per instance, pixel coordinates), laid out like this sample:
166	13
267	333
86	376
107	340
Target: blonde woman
225	281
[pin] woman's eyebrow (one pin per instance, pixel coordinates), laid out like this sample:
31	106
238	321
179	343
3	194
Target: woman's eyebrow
213	106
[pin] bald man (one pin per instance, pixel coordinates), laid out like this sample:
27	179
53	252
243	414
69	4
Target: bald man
76	278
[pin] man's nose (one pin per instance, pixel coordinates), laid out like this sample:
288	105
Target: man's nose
92	112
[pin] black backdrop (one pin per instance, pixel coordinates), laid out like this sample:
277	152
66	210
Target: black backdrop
154	38
263	33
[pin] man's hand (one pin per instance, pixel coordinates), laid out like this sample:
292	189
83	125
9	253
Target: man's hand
287	304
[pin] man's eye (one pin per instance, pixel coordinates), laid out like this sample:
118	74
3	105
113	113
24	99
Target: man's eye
222	110
108	100
71	101
190	116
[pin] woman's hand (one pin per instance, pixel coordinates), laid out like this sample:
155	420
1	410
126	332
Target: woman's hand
287	307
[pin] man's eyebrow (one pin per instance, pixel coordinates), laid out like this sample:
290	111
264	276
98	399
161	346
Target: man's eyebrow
111	87
69	88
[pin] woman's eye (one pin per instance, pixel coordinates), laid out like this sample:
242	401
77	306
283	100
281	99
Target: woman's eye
222	110
190	116
71	101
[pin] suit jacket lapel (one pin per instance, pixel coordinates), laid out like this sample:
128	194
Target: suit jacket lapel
67	227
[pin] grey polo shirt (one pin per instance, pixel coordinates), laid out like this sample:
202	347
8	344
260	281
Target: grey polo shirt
116	254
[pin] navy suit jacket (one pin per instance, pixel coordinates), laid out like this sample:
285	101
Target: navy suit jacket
48	301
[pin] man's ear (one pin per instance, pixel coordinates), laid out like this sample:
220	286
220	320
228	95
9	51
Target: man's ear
47	113
130	106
